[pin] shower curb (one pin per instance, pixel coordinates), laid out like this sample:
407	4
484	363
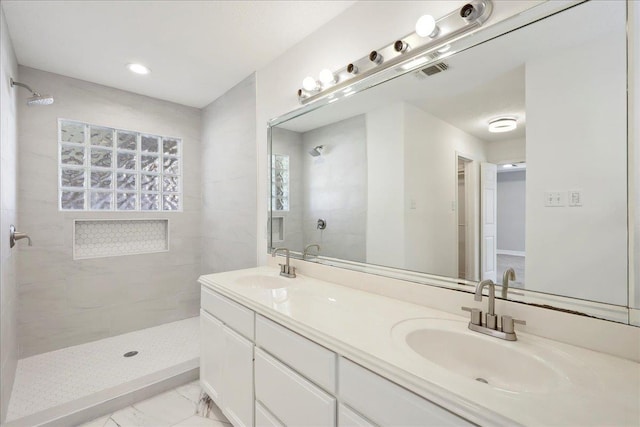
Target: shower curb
112	399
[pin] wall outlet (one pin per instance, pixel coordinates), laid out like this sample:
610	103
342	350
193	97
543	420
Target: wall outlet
554	199
575	198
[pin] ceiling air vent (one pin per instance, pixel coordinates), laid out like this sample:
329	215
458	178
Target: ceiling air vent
434	69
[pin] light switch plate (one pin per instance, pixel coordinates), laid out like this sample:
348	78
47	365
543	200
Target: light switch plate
575	198
554	199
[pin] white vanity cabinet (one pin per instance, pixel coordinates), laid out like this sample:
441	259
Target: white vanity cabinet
386	403
265	375
226	356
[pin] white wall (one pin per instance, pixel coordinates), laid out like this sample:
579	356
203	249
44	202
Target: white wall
64	302
8	210
365	26
634	151
335	189
511	195
228	180
509	151
559	127
386	187
431	180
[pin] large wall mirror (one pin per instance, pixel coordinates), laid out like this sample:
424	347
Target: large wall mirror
410	176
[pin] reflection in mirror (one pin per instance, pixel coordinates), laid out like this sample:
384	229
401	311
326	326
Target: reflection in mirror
418	174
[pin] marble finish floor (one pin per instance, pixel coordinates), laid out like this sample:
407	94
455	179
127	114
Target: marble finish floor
57	377
178	407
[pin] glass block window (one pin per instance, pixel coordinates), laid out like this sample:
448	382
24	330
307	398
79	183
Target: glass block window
279	182
106	169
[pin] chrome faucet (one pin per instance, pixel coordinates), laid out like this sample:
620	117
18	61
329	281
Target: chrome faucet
309	246
491	321
285	269
490	325
509	274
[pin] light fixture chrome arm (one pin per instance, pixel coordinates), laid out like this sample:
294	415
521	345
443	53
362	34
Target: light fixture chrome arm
401	53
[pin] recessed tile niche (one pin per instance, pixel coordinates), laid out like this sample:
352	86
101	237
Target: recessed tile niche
105	238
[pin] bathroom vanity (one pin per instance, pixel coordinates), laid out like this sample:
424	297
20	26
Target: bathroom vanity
302	351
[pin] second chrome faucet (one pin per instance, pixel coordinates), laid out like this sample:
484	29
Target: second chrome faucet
490	325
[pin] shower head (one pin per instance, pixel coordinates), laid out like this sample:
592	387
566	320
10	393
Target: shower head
36	99
317	150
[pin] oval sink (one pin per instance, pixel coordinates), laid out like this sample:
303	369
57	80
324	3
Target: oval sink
263	281
449	344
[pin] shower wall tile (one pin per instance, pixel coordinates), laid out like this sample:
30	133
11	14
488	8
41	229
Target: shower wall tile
229	204
64	302
9	348
59	331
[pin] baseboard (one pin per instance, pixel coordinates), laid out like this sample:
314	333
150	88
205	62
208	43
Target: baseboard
508	252
110	400
634	316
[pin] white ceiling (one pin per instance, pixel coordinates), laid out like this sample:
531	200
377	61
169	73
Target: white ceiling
197	50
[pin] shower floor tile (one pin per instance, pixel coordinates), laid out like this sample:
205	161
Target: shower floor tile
50	379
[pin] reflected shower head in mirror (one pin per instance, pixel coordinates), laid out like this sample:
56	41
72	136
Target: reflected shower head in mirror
317	150
36	98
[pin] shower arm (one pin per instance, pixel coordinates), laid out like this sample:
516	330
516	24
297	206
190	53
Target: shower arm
15	83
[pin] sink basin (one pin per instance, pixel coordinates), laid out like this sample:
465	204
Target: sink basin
449	344
264	281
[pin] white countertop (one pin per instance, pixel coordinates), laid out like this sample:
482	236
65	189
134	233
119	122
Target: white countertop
595	389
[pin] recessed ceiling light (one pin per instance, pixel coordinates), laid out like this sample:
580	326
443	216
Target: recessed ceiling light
138	69
502	124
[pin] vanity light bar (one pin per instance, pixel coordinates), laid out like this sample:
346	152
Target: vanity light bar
402	53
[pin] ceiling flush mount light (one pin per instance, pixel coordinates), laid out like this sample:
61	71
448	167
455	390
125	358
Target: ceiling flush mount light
138	69
429	41
327	77
426	26
503	124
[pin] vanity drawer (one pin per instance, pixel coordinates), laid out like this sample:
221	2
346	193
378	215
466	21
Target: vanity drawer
237	317
310	359
293	399
388	404
350	418
264	418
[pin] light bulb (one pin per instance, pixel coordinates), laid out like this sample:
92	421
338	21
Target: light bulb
309	84
327	77
426	26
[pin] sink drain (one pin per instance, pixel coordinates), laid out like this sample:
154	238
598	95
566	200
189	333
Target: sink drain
482	380
130	353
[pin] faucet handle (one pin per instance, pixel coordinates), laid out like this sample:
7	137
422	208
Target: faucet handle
476	315
508	323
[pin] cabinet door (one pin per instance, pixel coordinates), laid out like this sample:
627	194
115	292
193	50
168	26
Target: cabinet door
211	355
237	378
